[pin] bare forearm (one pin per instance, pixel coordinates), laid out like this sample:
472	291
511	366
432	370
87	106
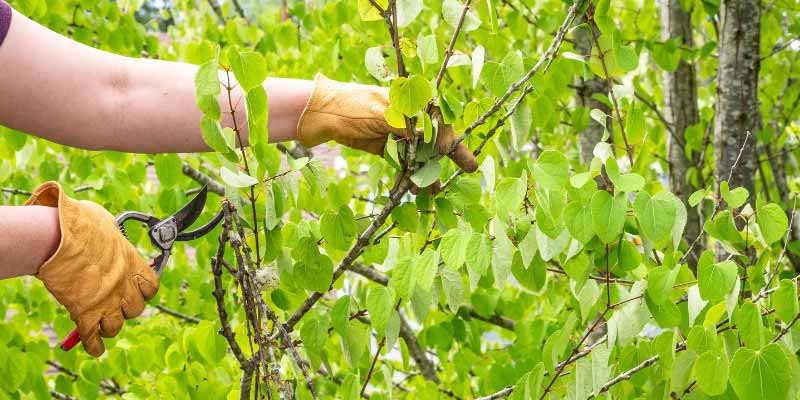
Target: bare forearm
160	114
28	236
75	95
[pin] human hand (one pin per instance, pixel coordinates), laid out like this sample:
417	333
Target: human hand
95	272
353	115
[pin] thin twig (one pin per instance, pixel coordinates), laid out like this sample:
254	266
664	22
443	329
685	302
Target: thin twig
717	207
602	58
204	179
544	60
772	273
560	367
372	365
288	342
626	375
19	192
177	314
449	52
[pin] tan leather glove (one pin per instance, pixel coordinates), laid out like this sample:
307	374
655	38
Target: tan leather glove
352	114
95	272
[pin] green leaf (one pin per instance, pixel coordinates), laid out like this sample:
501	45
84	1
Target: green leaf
453	247
404	277
478	57
237	179
376	64
748	322
355	342
212	135
410	95
340	314
350	387
634	122
656	215
426	266
206	82
549	211
453	286
715	280
760	374
479	256
772	221
315	273
521	122
498	77
659	283
314	333
502	254
488	14
249	67
626	58
380	304
452	9
426	49
580	223
701	340
723	228
510	192
666	314
257	118
608	215
534	277
785	300
629	256
697	197
551	170
168	169
339	229
528	247
735	198
390	153
711	372
368	12
407	11
428	174
406	217
681	371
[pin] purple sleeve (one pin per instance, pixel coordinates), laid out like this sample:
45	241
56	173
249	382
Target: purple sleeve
5	20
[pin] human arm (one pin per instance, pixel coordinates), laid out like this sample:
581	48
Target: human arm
79	96
35	239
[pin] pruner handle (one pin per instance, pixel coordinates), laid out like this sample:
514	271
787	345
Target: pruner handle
71	340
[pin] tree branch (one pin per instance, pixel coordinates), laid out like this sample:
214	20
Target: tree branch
449	52
203	179
602	57
544	61
425	365
177	314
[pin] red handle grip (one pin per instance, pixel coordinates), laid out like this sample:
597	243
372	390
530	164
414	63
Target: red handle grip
71	340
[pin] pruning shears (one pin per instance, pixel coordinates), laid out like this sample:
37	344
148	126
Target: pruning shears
163	234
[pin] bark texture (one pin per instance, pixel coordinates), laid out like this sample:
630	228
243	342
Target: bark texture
680	112
737	115
737	92
586	90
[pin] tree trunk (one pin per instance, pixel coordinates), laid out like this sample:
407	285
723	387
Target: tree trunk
680	112
737	115
586	90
